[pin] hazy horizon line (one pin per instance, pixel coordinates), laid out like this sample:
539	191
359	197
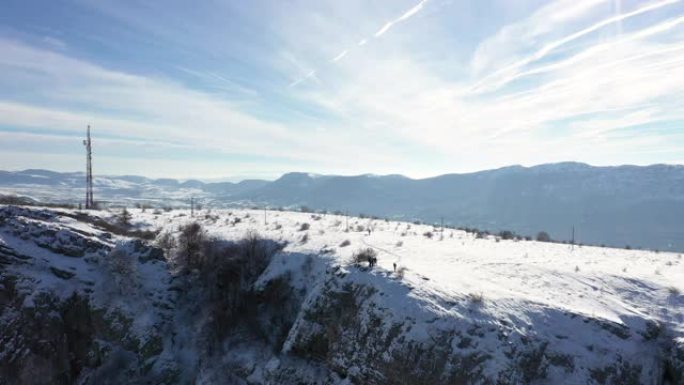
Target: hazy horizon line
238	178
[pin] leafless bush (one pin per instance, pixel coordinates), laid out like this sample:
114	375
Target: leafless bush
166	242
190	243
428	234
399	244
228	276
120	264
364	255
401	271
345	243
304	226
674	291
476	298
543	236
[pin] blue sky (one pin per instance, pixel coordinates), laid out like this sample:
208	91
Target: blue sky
218	88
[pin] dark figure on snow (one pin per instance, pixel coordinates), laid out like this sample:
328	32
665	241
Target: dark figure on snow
395	266
372	261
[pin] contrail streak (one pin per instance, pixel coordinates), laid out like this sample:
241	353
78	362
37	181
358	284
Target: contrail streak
558	43
592	51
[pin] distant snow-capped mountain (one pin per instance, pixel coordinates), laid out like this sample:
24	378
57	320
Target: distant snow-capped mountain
619	206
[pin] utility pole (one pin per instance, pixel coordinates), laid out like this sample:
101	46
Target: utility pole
572	241
346	215
89	203
192	206
265	223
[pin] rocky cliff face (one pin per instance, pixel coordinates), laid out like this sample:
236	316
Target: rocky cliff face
82	305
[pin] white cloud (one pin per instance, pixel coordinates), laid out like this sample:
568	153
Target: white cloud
386	27
586	95
512	69
403	106
149	110
516	39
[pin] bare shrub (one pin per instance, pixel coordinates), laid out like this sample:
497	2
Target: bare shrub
399	244
228	276
121	268
345	243
166	242
401	271
543	236
476	298
190	242
364	255
674	291
304	226
428	234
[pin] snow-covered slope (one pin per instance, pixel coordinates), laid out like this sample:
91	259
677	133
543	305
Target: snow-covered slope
458	309
639	206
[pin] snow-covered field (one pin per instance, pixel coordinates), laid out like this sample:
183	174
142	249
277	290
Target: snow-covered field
594	304
614	284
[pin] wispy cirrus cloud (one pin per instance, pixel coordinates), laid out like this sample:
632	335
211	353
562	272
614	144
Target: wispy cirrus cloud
512	69
386	27
352	87
150	111
578	98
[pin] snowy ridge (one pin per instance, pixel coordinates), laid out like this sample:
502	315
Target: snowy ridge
464	311
639	206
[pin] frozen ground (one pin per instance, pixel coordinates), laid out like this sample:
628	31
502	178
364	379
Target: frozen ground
580	314
613	284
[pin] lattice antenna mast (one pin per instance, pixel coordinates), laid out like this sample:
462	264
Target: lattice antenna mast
89	203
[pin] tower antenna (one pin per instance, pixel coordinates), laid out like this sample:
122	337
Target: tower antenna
89	203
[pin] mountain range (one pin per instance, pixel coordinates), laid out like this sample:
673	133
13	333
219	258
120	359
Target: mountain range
636	206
